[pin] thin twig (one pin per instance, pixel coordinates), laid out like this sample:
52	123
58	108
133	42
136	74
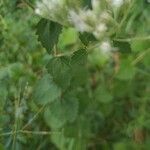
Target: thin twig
33	118
133	39
7	133
38	132
140	57
30	132
17	105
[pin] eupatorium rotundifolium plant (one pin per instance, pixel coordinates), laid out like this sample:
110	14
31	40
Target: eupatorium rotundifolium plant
66	12
97	18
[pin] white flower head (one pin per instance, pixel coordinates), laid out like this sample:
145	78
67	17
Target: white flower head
49	8
89	15
100	29
104	15
78	19
105	47
117	3
38	11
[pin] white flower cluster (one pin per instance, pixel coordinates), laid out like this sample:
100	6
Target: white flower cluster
80	20
117	3
106	48
95	21
51	9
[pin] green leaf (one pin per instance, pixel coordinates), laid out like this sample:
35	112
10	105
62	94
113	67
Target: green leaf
70	104
79	57
120	146
68	37
103	95
46	91
124	47
4	73
62	142
98	58
126	73
71	130
48	33
1	147
87	4
61	112
127	70
140	45
53	116
86	38
79	76
60	71
95	120
79	71
4	119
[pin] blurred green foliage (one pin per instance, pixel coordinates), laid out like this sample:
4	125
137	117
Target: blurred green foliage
73	99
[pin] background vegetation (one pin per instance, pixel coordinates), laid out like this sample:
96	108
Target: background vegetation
74	97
